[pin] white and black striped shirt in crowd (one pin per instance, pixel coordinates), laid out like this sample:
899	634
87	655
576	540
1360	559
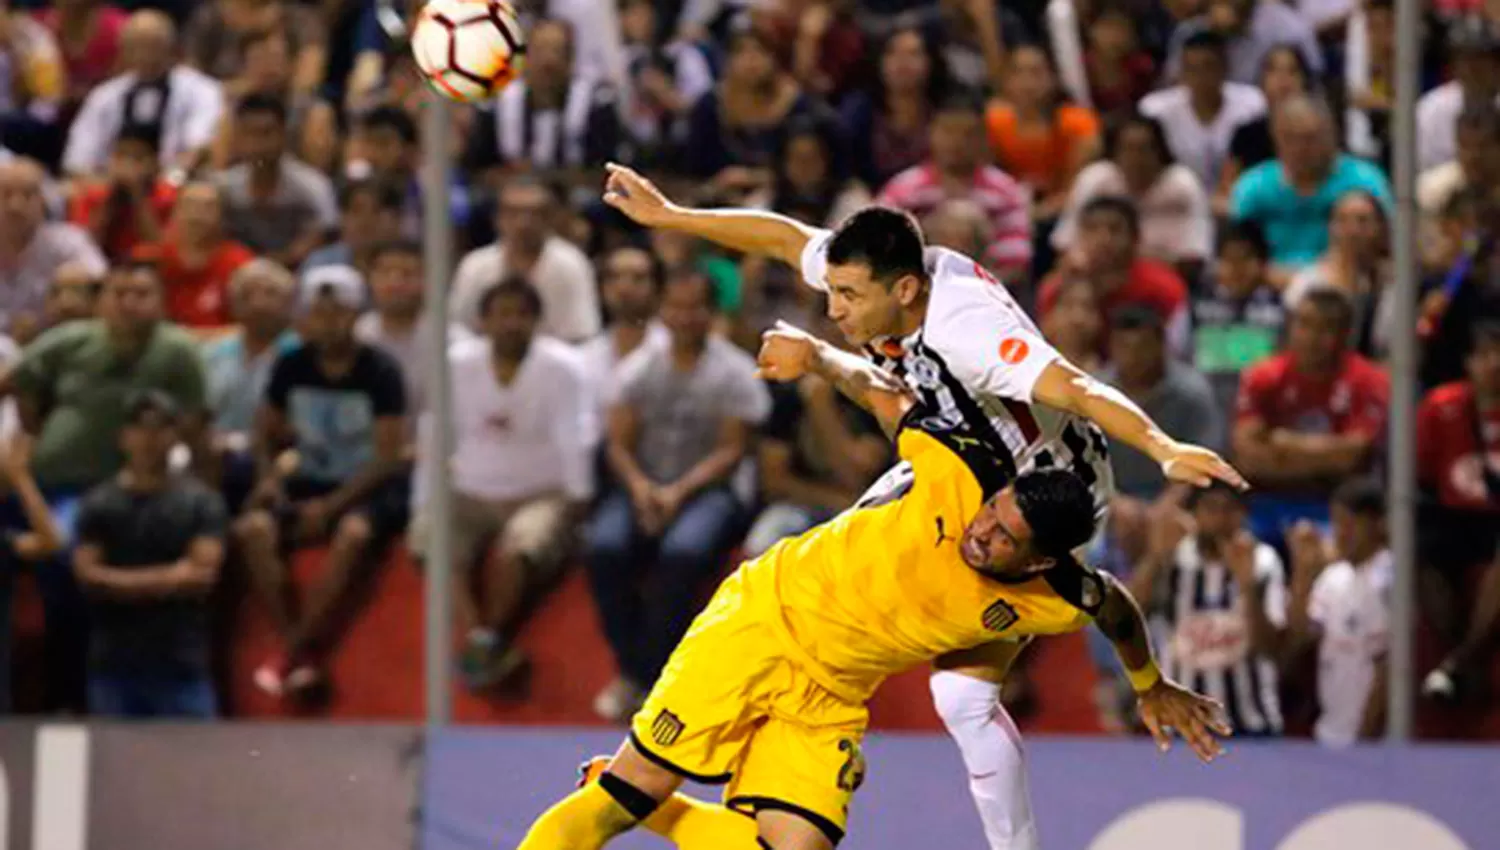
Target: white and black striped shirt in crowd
584	131
1204	638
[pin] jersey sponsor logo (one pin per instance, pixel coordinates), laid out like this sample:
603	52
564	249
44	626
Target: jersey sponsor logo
1013	350
666	728
999	616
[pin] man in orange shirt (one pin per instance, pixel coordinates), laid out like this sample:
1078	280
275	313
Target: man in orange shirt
133	203
196	259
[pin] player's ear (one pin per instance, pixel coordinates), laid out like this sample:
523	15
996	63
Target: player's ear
907	289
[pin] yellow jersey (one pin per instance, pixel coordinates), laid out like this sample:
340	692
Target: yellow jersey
882	587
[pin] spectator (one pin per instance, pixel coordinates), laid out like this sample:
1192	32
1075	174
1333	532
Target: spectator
384	148
339	407
267	70
1340	599
957	170
219	36
196	259
1202	113
599	50
1356	264
74	294
1218	598
664	83
1284	75
1173	394
1476	162
1176	223
1251	28
679	430
1107	254
150	548
887	125
180	104
32	248
274	204
1075	325
397	323
1308	418
88	34
33	82
1238	321
1292	196
809	183
827	48
629	282
530	248
522	472
553	121
1476	79
33	537
1120	72
1458	444
131	205
1036	136
371	217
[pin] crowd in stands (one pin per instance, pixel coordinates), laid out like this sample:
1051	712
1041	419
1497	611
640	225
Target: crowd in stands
215	341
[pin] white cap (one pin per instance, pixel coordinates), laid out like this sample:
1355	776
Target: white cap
341	283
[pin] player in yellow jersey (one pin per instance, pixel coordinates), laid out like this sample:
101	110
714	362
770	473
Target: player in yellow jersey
766	693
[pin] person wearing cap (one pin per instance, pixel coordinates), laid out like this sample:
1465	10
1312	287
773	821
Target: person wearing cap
1475	47
150	548
330	443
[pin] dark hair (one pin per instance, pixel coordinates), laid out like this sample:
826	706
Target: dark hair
886	240
658	268
262	104
693	276
1118	127
141	403
938	77
1115	205
1361	496
405	247
528	180
1309	82
1059	508
512	287
387	197
1059	94
141	134
1247	233
1207	40
391	118
1137	317
1216	487
960	100
1334	303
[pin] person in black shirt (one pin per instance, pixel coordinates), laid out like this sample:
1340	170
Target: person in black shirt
1238	319
150	548
330	441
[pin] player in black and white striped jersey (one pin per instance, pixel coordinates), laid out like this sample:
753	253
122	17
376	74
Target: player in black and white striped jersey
968	350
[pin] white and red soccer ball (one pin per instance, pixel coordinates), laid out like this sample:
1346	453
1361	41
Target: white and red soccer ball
468	50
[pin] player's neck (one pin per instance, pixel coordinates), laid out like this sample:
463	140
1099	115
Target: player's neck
912	317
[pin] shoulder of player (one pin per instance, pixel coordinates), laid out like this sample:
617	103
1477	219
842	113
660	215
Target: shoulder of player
924	437
1078	585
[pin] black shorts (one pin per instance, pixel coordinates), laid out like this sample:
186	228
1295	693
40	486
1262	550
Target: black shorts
1456	541
386	507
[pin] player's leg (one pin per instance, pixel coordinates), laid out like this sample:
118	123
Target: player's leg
966	694
624	795
686	821
779	830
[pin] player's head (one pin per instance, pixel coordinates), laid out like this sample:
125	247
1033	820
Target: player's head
875	273
1358	518
1030	526
1219	511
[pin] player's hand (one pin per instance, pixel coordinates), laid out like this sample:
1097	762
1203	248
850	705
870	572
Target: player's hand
1200	467
786	353
635	196
1197	718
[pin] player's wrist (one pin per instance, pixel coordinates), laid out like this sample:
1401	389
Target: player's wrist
1145	678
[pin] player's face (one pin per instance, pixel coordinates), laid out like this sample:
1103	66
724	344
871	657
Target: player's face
862	307
998	541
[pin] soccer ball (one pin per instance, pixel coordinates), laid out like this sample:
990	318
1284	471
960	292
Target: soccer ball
468	50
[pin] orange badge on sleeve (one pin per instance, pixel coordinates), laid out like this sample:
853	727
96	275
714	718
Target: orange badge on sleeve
1013	350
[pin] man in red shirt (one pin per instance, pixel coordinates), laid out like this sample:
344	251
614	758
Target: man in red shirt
196	260
1308	418
1106	253
131	206
1458	466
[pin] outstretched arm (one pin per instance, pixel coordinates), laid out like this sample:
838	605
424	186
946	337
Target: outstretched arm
747	231
788	353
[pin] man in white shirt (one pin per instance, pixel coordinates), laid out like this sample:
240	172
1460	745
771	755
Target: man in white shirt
522	468
1201	114
183	103
528	246
629	281
1341	602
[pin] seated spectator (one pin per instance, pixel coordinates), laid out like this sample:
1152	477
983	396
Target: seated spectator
1458	444
1356	264
809	183
274	204
1216	595
196	259
629	281
219	37
1308	418
957	170
1283	75
663	83
1075	325
1107	254
1237	322
268	70
384	147
1119	70
1176	222
182	105
32	536
397	323
524	430
578	110
74	294
33	82
1340	601
1175	395
1292	196
1476	79
131	205
679	430
1036	136
150	548
32	248
88	34
1202	113
1475	163
887	125
370	216
339	407
529	247
1251	28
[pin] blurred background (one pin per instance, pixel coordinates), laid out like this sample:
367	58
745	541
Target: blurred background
219	330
